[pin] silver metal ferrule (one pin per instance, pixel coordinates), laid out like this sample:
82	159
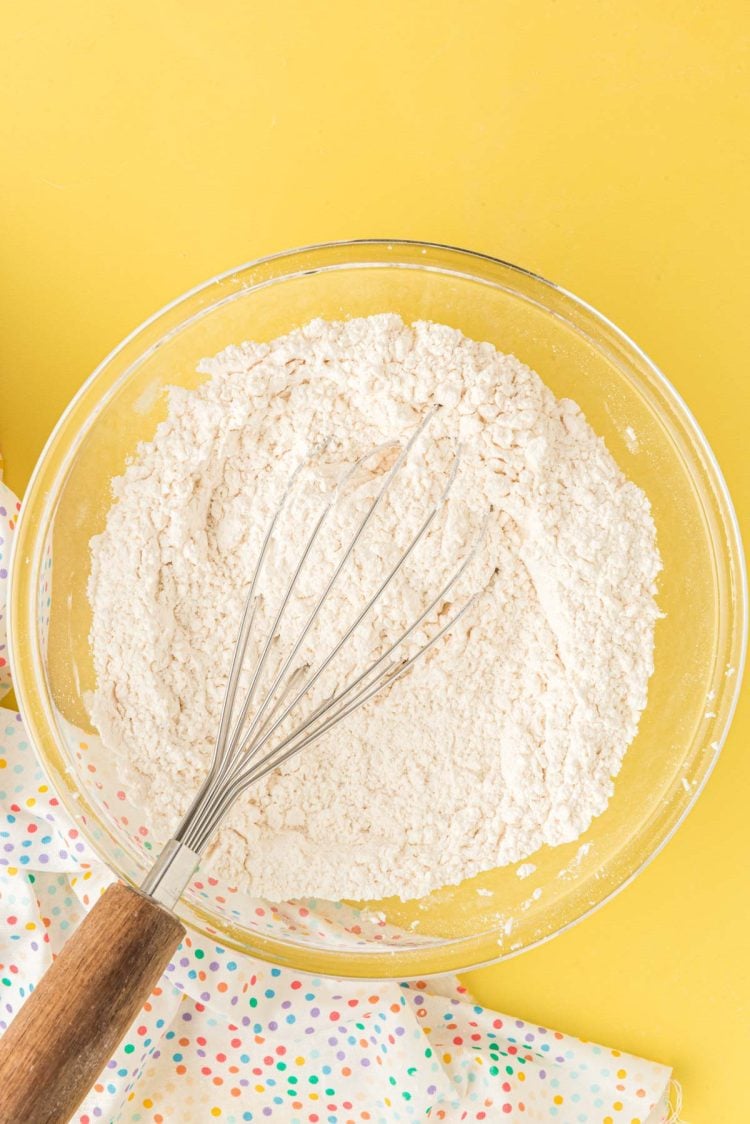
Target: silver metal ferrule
170	874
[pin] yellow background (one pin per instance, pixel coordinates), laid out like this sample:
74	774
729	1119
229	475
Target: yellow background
148	145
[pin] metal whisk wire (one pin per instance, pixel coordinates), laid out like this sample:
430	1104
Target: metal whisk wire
238	758
234	744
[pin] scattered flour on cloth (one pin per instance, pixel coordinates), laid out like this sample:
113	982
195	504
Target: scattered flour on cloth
507	735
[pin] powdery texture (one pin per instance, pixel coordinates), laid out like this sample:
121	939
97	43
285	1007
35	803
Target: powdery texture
507	736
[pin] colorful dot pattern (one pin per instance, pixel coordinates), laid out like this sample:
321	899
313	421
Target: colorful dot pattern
230	1038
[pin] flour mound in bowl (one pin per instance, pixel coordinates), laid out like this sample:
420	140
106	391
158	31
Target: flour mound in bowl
507	735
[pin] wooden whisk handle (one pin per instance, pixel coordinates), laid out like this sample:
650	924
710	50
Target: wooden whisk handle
72	1022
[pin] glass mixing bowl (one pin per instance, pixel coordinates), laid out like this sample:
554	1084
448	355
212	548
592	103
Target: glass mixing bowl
649	431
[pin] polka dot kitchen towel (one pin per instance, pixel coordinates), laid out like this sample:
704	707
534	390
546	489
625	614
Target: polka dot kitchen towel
230	1038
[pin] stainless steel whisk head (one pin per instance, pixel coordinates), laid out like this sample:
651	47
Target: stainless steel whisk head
271	724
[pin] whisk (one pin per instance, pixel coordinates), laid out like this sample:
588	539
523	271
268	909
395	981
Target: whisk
70	1025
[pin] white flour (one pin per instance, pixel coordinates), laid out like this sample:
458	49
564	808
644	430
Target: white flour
507	735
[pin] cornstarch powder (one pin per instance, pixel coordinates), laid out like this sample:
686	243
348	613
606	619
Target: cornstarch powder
507	735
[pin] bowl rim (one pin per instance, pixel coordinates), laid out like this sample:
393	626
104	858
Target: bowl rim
732	550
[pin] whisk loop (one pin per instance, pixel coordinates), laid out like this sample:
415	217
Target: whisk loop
253	742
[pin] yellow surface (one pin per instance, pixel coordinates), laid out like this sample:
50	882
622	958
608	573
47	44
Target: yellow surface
147	146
